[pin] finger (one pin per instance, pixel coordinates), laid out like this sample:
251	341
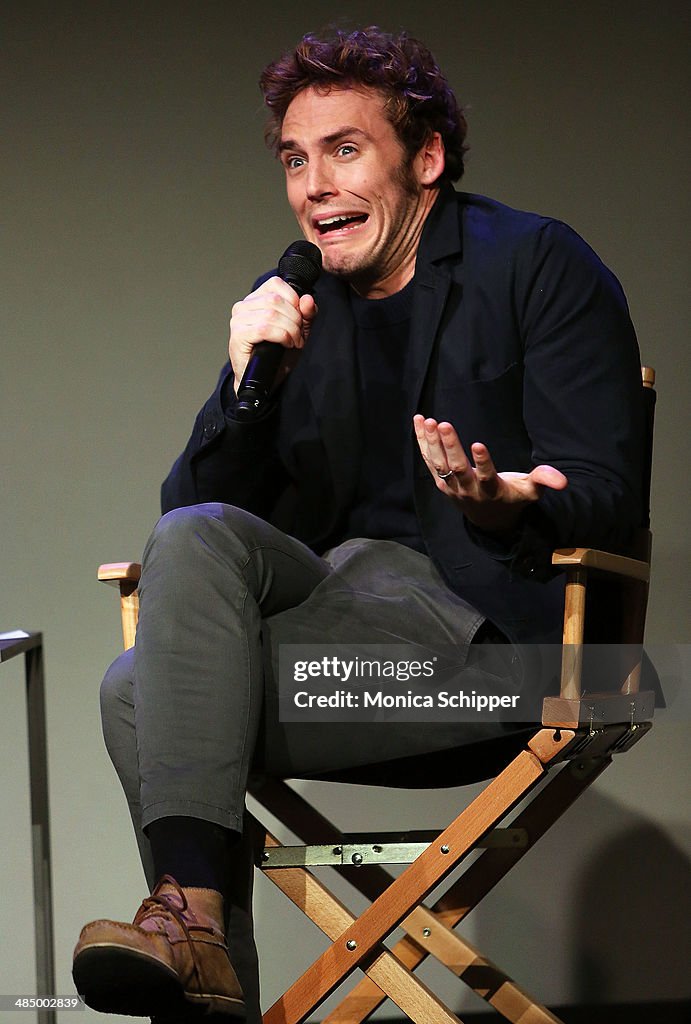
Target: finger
432	450
273	302
421	438
419	427
452	444
308	311
482	459
456	457
274	295
308	307
435	448
277	286
485	470
548	476
522	487
266	317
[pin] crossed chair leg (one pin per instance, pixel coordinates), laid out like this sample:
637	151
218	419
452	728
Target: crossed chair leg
358	942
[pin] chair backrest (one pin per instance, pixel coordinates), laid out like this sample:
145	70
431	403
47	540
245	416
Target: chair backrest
649	400
617	605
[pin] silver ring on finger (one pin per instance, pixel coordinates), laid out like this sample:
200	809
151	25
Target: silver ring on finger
445	476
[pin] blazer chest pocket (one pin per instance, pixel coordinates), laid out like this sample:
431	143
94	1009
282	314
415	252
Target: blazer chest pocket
488	410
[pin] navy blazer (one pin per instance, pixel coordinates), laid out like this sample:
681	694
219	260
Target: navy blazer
521	338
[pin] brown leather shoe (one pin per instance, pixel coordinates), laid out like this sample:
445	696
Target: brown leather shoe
170	961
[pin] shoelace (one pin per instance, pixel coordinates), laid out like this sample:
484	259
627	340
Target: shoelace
155	904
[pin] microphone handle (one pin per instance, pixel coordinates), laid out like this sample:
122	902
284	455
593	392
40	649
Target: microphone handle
258	379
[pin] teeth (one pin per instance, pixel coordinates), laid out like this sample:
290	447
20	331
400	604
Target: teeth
337	220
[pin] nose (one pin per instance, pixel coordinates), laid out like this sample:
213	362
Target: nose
319	182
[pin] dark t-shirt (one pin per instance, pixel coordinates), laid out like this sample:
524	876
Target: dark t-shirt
383	506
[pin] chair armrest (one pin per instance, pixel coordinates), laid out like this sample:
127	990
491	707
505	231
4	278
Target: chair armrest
603	561
116	572
125	576
579	563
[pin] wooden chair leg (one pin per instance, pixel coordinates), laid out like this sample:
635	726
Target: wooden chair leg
360	941
389	976
463	959
477	881
551	802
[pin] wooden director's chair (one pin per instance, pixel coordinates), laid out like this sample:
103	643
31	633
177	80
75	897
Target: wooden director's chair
579	735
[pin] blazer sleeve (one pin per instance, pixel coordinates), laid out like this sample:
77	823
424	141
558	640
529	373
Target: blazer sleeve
226	460
582	400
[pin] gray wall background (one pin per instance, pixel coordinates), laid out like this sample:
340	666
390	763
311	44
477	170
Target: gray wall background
139	203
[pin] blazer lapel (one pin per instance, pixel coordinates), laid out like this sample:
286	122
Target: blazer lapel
441	238
431	292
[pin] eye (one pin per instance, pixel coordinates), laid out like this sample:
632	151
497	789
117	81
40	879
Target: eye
292	163
347	149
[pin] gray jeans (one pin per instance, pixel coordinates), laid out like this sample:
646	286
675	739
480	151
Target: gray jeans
190	710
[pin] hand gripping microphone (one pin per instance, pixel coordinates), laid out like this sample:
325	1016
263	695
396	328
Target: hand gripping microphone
299	266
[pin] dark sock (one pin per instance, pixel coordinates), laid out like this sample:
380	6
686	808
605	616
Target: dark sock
195	852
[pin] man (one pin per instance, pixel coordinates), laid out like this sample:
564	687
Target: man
466	398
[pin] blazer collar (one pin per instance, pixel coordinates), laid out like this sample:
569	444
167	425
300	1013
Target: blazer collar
441	235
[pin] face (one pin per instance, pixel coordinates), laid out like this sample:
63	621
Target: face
354	191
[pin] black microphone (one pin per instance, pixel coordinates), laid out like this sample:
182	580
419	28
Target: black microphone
299	266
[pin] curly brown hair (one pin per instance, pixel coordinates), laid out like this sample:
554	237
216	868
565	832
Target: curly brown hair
417	97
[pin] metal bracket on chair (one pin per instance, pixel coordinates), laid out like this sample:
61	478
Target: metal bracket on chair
594	743
597	710
366	852
585	741
634	733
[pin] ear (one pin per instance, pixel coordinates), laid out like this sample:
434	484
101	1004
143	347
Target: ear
431	160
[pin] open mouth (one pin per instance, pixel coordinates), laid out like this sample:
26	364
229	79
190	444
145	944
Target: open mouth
341	222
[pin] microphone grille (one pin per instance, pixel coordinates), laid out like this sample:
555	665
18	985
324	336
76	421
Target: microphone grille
300	265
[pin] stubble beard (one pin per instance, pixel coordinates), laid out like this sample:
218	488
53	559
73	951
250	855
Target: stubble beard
364	269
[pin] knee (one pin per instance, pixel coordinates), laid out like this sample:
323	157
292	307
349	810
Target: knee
181	524
175	538
181	533
116	695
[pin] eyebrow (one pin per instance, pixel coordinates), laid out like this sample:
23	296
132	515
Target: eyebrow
346	132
